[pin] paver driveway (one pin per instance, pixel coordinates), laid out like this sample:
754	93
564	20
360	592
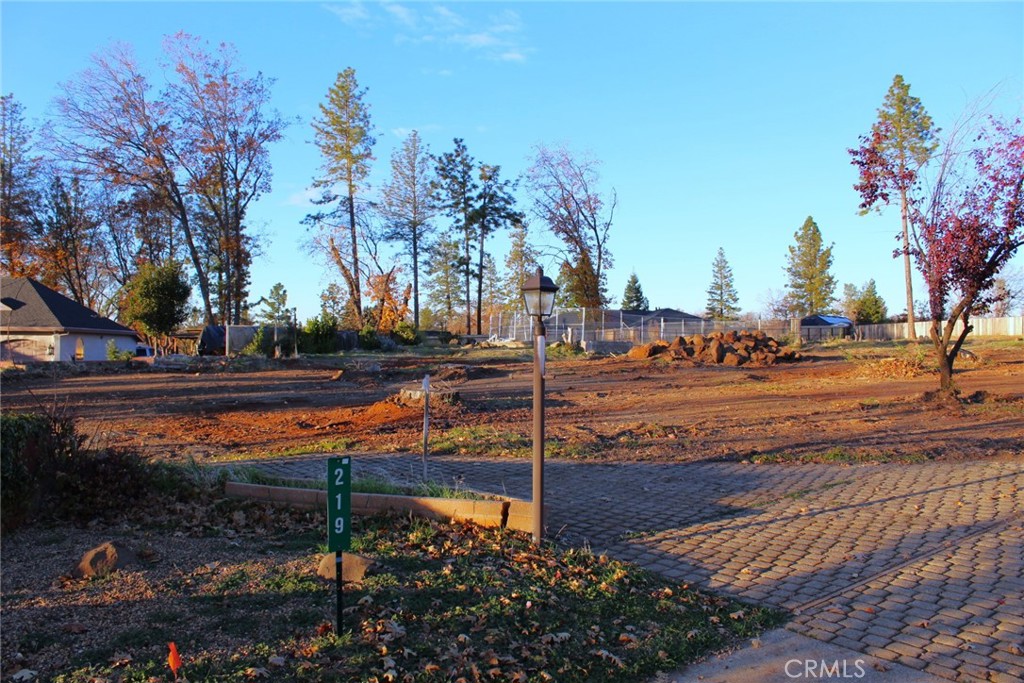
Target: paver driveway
917	564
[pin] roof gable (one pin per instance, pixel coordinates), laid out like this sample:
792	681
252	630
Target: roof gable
31	304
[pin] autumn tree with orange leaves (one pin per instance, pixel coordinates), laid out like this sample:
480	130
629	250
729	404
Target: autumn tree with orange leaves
19	173
199	146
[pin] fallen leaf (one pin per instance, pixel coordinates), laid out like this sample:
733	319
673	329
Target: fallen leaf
608	657
120	659
24	675
256	672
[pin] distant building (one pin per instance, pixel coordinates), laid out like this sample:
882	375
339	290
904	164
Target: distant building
818	326
39	324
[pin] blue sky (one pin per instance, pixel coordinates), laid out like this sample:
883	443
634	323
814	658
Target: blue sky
718	124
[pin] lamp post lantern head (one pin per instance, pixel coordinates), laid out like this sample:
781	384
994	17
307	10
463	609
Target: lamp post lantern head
539	295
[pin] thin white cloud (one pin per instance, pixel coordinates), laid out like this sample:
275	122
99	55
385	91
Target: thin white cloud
302	198
403	132
499	37
402	14
351	13
512	56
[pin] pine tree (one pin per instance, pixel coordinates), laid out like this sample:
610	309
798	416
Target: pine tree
494	208
408	206
633	298
520	263
722	296
344	135
871	307
902	141
455	193
442	284
276	302
811	286
851	301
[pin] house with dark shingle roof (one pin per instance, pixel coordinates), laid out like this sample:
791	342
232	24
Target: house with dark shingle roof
39	324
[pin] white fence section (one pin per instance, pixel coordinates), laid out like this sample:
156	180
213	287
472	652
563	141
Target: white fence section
581	324
983	327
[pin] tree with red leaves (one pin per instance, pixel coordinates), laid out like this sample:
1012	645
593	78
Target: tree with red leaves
965	229
889	160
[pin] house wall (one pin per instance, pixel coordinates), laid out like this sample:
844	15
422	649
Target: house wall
94	346
34	348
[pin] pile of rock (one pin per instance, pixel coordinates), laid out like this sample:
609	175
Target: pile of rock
721	348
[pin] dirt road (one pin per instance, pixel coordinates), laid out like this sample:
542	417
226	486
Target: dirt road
852	401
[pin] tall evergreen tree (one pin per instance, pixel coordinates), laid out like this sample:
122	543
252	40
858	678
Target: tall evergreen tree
811	285
722	296
633	298
902	141
871	308
443	280
850	302
456	191
494	208
344	135
408	206
520	263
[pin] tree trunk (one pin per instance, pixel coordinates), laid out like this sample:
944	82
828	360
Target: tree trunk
469	291
415	282
354	283
480	279
201	276
911	333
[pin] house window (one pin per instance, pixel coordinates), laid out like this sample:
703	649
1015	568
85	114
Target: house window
79	349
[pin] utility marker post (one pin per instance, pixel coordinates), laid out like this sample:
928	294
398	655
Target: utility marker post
339	518
426	422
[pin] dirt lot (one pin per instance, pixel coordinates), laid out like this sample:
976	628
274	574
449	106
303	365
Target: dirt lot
859	400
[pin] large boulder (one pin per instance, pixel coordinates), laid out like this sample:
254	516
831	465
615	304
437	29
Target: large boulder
104	560
648	350
353	567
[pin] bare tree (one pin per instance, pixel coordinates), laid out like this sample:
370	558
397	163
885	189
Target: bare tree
566	198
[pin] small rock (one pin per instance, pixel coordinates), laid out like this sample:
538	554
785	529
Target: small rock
103	560
353	567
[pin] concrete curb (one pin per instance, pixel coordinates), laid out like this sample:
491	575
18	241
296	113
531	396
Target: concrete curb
512	514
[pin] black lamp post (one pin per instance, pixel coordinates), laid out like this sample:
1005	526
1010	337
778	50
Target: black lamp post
539	297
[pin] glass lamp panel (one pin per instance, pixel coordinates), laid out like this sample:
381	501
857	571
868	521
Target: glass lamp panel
547	303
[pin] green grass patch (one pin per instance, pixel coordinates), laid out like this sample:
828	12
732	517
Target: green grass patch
839	456
333	445
478	440
449	601
427	489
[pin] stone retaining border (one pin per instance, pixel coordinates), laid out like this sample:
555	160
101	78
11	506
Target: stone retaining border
510	514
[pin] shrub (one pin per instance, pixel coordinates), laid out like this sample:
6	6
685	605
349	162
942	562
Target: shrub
262	344
320	335
114	354
43	463
108	483
32	449
368	338
405	334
